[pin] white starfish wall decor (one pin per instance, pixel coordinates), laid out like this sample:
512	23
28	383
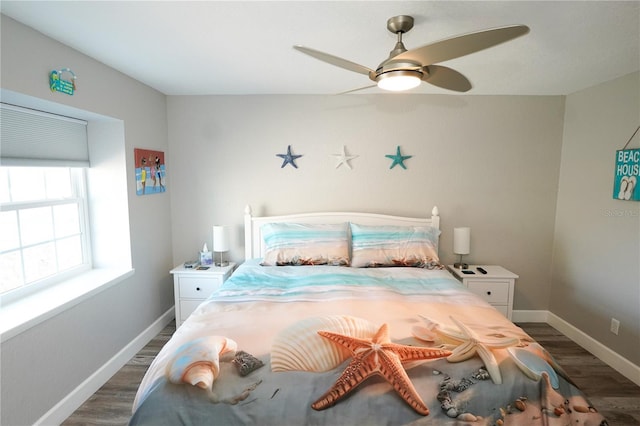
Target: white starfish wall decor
344	158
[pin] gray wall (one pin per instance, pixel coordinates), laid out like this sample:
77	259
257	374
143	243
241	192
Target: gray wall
596	260
488	162
44	364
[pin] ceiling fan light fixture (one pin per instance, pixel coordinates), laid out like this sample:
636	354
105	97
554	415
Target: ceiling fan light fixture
405	69
399	80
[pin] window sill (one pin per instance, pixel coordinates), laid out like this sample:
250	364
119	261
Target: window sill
17	317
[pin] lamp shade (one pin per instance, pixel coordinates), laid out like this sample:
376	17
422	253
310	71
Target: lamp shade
461	240
220	238
400	80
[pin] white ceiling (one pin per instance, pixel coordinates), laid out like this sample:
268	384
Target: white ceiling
245	47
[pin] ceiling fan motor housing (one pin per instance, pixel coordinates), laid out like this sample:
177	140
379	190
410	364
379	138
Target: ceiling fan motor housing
389	68
395	68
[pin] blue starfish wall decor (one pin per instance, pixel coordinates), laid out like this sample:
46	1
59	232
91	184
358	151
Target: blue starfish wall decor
289	158
398	159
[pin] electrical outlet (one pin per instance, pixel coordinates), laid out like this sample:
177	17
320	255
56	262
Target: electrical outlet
615	326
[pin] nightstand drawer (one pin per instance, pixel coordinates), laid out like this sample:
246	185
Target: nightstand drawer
187	307
192	286
493	291
198	287
496	285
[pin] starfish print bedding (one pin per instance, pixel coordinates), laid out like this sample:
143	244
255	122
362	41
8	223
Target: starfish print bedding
336	345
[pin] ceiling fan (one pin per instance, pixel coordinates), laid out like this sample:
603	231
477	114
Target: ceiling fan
405	69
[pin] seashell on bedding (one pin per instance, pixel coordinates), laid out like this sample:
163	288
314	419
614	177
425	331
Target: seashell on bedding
299	347
197	362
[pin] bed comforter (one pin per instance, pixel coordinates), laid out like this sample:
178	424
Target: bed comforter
492	372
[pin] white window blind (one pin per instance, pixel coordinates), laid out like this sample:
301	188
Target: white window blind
34	138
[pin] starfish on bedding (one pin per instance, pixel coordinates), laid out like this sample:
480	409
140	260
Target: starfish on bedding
471	343
377	356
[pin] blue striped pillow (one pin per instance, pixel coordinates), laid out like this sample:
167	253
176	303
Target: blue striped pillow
305	244
376	246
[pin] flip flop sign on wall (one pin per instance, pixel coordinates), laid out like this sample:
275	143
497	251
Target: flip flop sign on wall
58	84
626	184
627	181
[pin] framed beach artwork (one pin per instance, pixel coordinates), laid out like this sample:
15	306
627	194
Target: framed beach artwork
151	174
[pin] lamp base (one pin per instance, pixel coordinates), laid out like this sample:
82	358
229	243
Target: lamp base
460	264
222	261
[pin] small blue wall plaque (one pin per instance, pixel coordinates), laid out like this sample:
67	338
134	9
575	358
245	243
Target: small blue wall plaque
58	84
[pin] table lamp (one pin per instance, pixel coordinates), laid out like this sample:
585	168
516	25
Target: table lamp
221	242
461	245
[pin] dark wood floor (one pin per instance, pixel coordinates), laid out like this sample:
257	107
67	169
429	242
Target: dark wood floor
616	397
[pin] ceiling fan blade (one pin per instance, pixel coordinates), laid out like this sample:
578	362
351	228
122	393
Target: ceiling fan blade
334	60
355	90
465	44
446	78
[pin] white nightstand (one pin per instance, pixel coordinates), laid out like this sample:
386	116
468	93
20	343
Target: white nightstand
496	286
191	286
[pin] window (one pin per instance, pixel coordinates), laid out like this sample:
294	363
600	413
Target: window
45	165
43	202
44	224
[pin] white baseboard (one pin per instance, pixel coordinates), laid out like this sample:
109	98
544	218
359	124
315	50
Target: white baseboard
530	316
63	409
613	359
606	355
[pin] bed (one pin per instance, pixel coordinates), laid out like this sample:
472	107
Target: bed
350	319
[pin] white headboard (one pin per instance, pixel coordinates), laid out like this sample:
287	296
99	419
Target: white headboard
254	244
